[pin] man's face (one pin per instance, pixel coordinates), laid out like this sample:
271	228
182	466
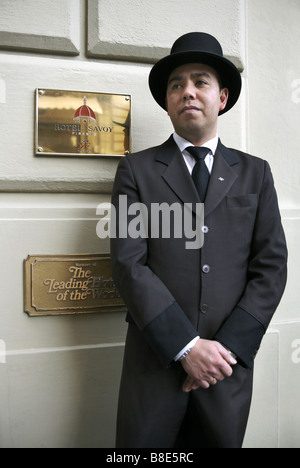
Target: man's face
194	100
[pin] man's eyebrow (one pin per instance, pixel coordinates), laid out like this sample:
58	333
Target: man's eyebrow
201	75
193	76
175	78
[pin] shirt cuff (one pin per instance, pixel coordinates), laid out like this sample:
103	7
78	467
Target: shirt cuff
189	346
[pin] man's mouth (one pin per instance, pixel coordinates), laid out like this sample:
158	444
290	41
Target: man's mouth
188	109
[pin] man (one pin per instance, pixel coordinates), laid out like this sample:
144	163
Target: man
196	315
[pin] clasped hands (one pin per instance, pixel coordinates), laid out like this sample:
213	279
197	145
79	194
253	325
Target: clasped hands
206	364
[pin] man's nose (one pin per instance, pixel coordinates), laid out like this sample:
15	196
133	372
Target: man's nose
189	91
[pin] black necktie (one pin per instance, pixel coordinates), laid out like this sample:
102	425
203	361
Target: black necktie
200	174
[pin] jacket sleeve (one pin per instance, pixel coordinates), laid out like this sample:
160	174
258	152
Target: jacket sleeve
150	304
244	329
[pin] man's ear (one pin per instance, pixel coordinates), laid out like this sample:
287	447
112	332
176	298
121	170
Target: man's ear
224	95
166	102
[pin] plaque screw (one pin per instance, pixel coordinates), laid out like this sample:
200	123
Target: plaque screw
40	149
127	98
41	92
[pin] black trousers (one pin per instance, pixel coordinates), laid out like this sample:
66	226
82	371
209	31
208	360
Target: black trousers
154	412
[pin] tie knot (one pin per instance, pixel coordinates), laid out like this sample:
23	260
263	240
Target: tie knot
198	152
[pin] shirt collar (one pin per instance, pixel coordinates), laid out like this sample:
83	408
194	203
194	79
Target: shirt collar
183	144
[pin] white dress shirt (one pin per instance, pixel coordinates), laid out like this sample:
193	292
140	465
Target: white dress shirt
188	158
190	163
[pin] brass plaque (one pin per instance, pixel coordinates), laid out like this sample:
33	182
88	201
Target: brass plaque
71	123
69	284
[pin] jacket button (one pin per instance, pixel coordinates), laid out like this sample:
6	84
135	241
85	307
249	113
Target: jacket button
204	308
206	268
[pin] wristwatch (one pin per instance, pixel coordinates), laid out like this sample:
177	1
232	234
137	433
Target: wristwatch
185	354
229	351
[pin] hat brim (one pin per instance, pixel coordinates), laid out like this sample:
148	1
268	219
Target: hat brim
229	74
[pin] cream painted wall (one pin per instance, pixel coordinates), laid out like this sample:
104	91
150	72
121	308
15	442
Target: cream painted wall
59	382
273	76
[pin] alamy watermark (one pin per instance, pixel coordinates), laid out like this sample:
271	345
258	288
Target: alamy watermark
2	352
161	220
296	91
296	352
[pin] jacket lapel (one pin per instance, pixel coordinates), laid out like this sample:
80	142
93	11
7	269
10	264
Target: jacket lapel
222	178
176	173
179	179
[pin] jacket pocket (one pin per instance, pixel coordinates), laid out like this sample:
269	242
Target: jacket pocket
242	201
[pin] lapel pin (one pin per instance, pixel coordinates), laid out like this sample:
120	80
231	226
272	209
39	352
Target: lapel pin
221	179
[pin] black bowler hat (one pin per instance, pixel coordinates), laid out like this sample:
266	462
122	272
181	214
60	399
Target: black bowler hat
195	47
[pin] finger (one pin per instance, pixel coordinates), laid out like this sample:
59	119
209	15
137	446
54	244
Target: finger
221	370
227	356
224	371
192	384
213	381
188	384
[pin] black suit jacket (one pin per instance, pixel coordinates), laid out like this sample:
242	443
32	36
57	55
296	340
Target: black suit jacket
230	288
